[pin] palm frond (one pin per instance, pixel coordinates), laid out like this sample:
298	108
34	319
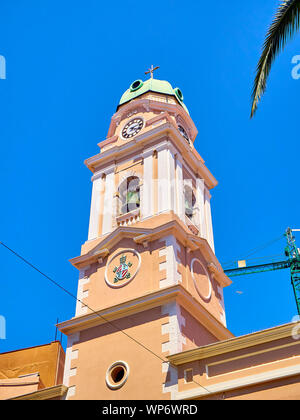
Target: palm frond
286	22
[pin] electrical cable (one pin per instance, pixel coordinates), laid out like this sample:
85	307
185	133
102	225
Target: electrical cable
254	250
95	312
259	259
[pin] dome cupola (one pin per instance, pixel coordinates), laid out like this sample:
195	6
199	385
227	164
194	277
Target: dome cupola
139	88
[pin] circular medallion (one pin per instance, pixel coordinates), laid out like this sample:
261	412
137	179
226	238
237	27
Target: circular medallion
201	279
122	268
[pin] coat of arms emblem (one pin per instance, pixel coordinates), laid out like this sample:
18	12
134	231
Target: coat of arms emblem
122	271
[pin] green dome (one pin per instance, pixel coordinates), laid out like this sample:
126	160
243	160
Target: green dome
138	88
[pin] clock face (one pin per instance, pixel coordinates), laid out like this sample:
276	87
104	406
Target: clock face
183	133
132	128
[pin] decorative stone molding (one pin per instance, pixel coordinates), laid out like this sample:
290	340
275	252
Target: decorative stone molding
56	392
143	239
129	218
172	276
143	303
70	355
213	269
191	226
148	104
174	344
197	286
103	144
83	280
109	378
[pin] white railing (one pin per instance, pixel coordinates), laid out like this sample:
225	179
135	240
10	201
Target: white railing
129	218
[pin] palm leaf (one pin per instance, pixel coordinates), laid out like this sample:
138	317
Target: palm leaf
286	22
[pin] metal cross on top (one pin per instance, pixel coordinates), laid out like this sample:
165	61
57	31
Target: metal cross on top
151	70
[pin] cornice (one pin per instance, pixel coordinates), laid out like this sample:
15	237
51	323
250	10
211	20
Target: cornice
18	382
233	344
233	384
148	105
190	155
116	152
44	394
108	141
146	302
139	304
141	235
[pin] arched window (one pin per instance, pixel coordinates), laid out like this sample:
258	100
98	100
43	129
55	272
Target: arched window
189	201
129	194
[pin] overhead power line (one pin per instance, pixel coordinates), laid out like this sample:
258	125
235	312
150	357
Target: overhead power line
95	312
254	251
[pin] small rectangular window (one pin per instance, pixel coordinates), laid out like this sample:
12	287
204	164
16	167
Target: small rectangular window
188	376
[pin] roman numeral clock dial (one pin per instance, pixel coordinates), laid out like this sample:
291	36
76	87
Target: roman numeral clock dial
132	128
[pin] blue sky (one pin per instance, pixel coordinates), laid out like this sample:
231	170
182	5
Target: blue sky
68	63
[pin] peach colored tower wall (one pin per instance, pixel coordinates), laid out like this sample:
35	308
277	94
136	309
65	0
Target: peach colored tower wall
163	263
154	334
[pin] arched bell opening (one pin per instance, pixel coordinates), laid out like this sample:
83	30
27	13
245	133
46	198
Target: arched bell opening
129	194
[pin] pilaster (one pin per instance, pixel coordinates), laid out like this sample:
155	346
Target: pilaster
108	207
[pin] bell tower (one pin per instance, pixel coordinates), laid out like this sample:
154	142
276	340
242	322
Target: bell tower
150	284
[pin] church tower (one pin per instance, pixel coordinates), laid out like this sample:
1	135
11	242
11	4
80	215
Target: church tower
150	284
